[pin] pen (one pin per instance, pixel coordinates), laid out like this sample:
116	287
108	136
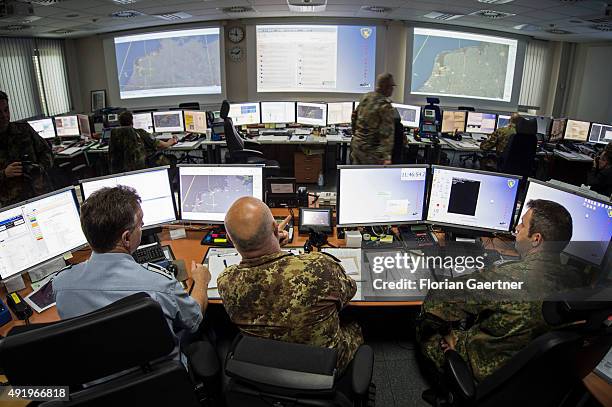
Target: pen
225	263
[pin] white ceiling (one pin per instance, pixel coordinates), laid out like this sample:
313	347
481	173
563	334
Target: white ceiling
86	17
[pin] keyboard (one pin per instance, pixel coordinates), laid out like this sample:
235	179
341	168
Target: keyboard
149	254
275	133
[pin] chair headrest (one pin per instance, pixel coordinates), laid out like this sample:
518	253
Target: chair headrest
527	126
225	108
123	335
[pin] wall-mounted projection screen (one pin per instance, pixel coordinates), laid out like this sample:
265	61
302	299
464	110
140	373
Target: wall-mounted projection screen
464	65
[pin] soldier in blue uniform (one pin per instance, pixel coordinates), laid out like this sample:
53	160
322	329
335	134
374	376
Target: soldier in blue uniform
111	219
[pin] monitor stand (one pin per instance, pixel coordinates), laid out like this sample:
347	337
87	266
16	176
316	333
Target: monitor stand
149	236
216	236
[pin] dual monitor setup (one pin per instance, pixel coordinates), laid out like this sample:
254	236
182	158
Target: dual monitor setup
579	131
62	126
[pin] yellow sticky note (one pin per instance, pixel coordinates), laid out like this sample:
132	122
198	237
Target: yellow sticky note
67	256
15	298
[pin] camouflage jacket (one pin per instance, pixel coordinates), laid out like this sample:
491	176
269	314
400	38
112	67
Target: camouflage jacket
20	139
498	140
373	130
500	325
292	298
129	149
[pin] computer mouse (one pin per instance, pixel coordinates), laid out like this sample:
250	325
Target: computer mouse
417	137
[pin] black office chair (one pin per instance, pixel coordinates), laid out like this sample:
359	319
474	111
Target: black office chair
549	371
265	372
119	351
235	143
189	106
466	108
519	156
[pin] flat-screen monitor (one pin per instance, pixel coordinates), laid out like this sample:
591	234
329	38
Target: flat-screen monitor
244	113
472	199
503	121
44	127
481	123
38	230
144	121
153	187
557	130
168	122
169	63
544	123
576	130
339	112
462	64
67	126
395	194
314	114
453	121
207	191
195	121
84	129
409	115
316	58
315	220
591	219
277	112
600	133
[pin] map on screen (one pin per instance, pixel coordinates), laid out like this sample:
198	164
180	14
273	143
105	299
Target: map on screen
459	64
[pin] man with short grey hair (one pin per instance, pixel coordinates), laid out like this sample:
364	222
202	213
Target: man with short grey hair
274	294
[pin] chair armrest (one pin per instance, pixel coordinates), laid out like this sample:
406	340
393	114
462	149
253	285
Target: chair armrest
203	360
460	375
78	167
361	370
251	143
246	153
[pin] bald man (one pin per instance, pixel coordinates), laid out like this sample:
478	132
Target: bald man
373	126
276	295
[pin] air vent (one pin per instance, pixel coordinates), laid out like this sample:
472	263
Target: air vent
558	31
307	6
602	27
124	2
527	27
180	15
439	15
73	15
14	27
237	9
599	19
125	14
495	1
63	31
492	14
376	9
42	2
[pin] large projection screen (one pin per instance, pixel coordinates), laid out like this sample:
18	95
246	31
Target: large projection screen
169	63
316	58
463	65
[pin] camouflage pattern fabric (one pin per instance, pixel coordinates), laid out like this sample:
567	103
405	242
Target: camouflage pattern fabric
126	150
373	130
498	140
20	139
608	148
500	327
294	299
153	156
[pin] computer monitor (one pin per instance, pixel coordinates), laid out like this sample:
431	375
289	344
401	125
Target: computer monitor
67	126
471	199
339	112
84	128
557	130
503	121
591	219
544	123
453	120
153	187
195	121
39	230
600	133
313	114
277	112
395	195
44	127
207	191
168	122
480	123
317	220
576	130
144	121
244	113
410	115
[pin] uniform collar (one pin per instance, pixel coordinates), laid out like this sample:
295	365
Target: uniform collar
109	256
547	256
268	258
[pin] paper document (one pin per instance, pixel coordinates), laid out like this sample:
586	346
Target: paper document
184	144
70	150
268	137
604	369
350	259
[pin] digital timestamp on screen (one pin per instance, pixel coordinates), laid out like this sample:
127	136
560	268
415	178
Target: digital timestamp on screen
36	393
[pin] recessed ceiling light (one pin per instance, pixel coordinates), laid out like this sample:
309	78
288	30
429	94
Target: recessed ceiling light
576	21
558	31
376	9
439	15
73	15
307	6
45	2
125	14
495	1
237	9
492	14
63	31
124	2
14	27
179	15
527	27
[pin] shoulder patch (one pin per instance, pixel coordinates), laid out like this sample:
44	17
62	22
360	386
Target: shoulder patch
337	260
158	269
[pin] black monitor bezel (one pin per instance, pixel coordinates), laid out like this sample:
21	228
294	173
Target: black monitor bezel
179	111
327	112
150	113
548	139
454	111
52	123
577	141
313	103
302	228
467	118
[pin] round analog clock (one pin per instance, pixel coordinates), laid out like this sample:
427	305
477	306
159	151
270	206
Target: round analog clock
235	34
236	54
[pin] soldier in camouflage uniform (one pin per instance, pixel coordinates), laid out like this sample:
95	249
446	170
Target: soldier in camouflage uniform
372	124
19	182
488	328
133	149
498	140
274	294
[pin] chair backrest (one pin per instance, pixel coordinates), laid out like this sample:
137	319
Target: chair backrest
189	106
122	154
232	137
520	152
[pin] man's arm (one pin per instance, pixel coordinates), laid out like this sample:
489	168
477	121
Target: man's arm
386	132
44	155
491	142
199	291
341	287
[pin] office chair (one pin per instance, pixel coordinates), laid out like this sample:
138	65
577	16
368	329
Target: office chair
265	372
466	108
519	155
120	352
189	106
549	371
235	143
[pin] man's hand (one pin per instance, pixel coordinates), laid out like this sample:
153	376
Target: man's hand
283	235
449	342
386	162
173	140
200	274
13	170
